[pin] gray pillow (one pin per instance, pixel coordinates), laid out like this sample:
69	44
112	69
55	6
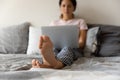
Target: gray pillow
14	39
109	41
91	41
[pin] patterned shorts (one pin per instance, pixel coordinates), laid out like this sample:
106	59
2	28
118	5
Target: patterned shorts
68	55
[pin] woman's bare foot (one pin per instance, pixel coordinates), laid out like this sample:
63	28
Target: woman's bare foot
36	64
46	48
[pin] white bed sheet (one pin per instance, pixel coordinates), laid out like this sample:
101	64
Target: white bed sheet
95	68
13	62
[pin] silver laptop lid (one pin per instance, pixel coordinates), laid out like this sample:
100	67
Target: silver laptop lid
62	36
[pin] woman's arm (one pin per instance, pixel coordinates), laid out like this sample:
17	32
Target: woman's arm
82	39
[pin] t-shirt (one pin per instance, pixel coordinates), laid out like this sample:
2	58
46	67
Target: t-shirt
80	22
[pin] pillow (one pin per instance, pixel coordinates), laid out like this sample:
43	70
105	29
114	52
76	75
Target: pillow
14	39
109	41
91	41
33	44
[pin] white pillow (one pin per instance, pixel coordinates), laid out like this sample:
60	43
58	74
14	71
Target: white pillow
33	43
91	41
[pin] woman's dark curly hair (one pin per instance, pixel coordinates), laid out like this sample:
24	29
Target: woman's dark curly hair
73	2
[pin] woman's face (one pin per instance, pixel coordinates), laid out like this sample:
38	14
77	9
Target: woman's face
67	7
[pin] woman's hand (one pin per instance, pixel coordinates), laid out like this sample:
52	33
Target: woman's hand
82	38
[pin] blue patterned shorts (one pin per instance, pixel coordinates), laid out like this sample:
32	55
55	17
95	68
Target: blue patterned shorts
68	55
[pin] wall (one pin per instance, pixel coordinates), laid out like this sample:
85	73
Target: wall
42	12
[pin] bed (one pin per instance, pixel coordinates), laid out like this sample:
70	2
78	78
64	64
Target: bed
15	62
17	67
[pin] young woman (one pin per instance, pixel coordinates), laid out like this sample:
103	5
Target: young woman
58	58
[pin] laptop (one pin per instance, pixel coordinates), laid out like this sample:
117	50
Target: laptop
62	36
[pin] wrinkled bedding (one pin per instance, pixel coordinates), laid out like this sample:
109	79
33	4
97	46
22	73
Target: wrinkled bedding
17	67
13	62
49	74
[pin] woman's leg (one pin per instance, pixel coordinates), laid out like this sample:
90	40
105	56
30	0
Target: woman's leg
68	55
49	60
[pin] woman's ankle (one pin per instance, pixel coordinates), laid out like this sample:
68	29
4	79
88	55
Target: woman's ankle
58	65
